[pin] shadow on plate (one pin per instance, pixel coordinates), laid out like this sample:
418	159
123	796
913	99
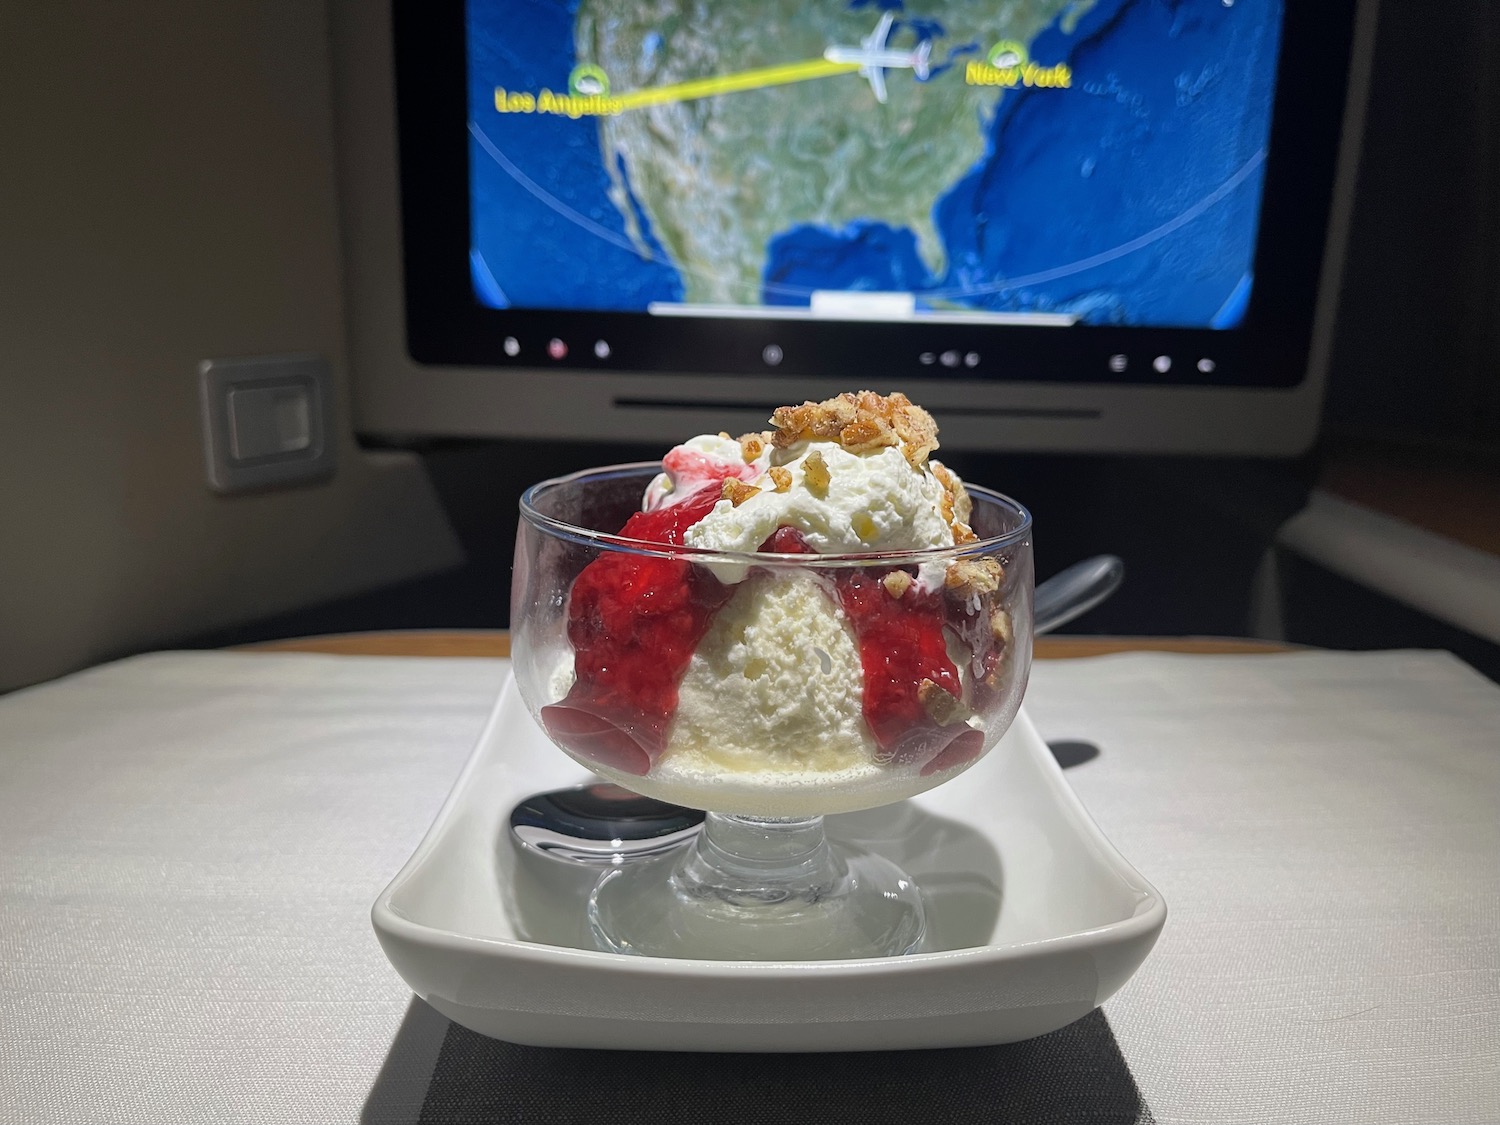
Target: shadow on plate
1073	752
439	1073
957	868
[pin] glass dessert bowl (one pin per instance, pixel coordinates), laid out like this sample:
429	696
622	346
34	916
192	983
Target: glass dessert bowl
773	683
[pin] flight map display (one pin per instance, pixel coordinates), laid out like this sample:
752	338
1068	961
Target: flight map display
1052	162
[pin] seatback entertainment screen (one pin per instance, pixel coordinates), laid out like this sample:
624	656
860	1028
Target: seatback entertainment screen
975	192
1042	163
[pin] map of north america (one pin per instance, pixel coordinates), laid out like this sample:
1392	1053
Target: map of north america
1097	161
719	177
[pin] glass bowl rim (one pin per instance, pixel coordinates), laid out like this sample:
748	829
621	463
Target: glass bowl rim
587	537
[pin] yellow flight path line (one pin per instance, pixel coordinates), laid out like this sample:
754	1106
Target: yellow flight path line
756	79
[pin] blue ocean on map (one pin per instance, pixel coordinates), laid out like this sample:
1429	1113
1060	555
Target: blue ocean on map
1132	198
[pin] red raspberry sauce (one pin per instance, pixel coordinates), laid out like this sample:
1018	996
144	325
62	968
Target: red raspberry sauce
634	622
690	469
900	645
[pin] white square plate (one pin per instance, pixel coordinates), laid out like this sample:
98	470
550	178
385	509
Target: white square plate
1034	920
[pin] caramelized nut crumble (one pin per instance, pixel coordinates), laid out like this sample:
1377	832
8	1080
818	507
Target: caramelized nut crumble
815	473
943	706
865	434
737	491
860	422
968	577
896	583
752	445
958	496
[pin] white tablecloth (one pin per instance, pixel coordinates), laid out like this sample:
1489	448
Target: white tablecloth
190	843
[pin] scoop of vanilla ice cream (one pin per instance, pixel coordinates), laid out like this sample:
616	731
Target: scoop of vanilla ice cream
776	684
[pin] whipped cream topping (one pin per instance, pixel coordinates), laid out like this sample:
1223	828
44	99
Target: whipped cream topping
871	501
699	462
842	503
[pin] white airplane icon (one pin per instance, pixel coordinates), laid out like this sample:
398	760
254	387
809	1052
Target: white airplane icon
874	57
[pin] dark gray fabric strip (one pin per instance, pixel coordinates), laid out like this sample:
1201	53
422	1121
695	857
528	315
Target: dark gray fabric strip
1075	1076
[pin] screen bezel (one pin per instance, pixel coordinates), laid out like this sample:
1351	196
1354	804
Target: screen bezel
447	326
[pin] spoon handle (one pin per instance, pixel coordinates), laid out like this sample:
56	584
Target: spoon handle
1073	592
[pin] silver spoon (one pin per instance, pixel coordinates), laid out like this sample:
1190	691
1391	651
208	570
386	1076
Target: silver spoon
1073	592
601	825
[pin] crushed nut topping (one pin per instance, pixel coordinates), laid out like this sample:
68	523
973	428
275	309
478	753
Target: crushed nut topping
955	506
780	477
865	434
812	420
860	422
944	707
946	510
815	473
752	445
737	491
896	583
967	577
1000	625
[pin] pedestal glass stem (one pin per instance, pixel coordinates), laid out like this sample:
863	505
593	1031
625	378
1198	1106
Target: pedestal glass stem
753	861
759	888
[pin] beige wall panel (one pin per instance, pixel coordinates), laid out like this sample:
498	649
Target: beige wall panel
167	195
